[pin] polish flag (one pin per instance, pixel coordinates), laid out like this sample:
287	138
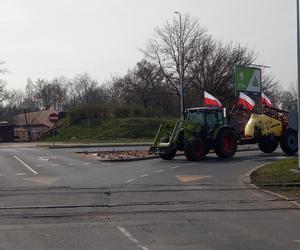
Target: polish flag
210	100
246	102
266	101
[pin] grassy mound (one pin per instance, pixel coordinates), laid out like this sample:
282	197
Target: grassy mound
112	129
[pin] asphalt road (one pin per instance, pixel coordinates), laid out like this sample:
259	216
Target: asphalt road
53	199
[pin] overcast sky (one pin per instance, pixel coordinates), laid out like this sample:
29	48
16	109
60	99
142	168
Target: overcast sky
49	38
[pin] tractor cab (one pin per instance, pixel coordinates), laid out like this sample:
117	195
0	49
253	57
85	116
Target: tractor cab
207	117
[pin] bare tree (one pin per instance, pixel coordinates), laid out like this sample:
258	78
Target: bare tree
30	102
142	85
4	94
286	99
51	95
84	86
208	63
171	40
213	69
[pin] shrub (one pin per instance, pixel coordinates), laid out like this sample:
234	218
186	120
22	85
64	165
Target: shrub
121	112
83	112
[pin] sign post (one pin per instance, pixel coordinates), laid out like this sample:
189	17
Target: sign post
298	72
53	117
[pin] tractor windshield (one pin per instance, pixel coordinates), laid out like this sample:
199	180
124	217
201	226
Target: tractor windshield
195	116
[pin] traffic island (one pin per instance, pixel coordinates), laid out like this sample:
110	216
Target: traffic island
281	177
126	155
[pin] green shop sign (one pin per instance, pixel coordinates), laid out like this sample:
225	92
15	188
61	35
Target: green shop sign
247	79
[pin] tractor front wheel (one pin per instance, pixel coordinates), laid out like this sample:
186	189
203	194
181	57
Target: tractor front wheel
194	149
289	141
226	143
168	154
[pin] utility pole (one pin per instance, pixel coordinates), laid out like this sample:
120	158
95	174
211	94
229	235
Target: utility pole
181	64
298	71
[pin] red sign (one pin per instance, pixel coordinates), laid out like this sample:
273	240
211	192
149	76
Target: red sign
53	117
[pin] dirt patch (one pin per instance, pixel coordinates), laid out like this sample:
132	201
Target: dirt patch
118	155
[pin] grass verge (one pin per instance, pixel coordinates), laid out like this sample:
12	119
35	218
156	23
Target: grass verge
133	129
281	177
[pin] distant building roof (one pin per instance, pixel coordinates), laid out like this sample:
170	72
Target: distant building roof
35	118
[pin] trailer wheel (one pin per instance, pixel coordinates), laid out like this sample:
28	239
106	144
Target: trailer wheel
289	141
226	143
194	149
168	154
206	150
268	146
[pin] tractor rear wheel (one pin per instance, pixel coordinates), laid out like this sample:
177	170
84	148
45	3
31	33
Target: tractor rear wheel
267	146
168	154
289	141
194	149
226	143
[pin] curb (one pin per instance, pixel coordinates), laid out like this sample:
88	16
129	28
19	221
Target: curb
118	145
149	158
133	159
247	180
95	145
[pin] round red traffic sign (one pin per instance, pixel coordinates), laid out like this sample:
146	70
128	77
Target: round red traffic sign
53	117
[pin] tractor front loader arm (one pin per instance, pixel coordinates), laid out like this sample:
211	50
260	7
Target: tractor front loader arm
165	138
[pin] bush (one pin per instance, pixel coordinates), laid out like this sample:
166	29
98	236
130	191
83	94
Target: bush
91	111
101	111
121	112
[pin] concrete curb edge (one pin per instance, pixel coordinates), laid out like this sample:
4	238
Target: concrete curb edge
247	181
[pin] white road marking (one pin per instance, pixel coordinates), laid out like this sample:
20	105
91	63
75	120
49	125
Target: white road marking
144	175
21	174
131	238
175	167
2	174
130	180
70	164
297	241
106	164
44	159
25	165
54	165
158	171
281	157
39	165
47	157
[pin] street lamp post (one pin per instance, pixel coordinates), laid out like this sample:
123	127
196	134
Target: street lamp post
298	71
181	64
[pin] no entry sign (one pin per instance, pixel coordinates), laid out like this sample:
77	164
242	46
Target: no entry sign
53	117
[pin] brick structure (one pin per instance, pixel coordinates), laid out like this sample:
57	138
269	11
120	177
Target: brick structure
34	125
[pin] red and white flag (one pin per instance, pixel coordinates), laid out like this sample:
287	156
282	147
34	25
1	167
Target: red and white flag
265	100
246	101
210	100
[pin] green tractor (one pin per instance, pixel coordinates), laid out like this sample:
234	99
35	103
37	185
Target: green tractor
202	129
